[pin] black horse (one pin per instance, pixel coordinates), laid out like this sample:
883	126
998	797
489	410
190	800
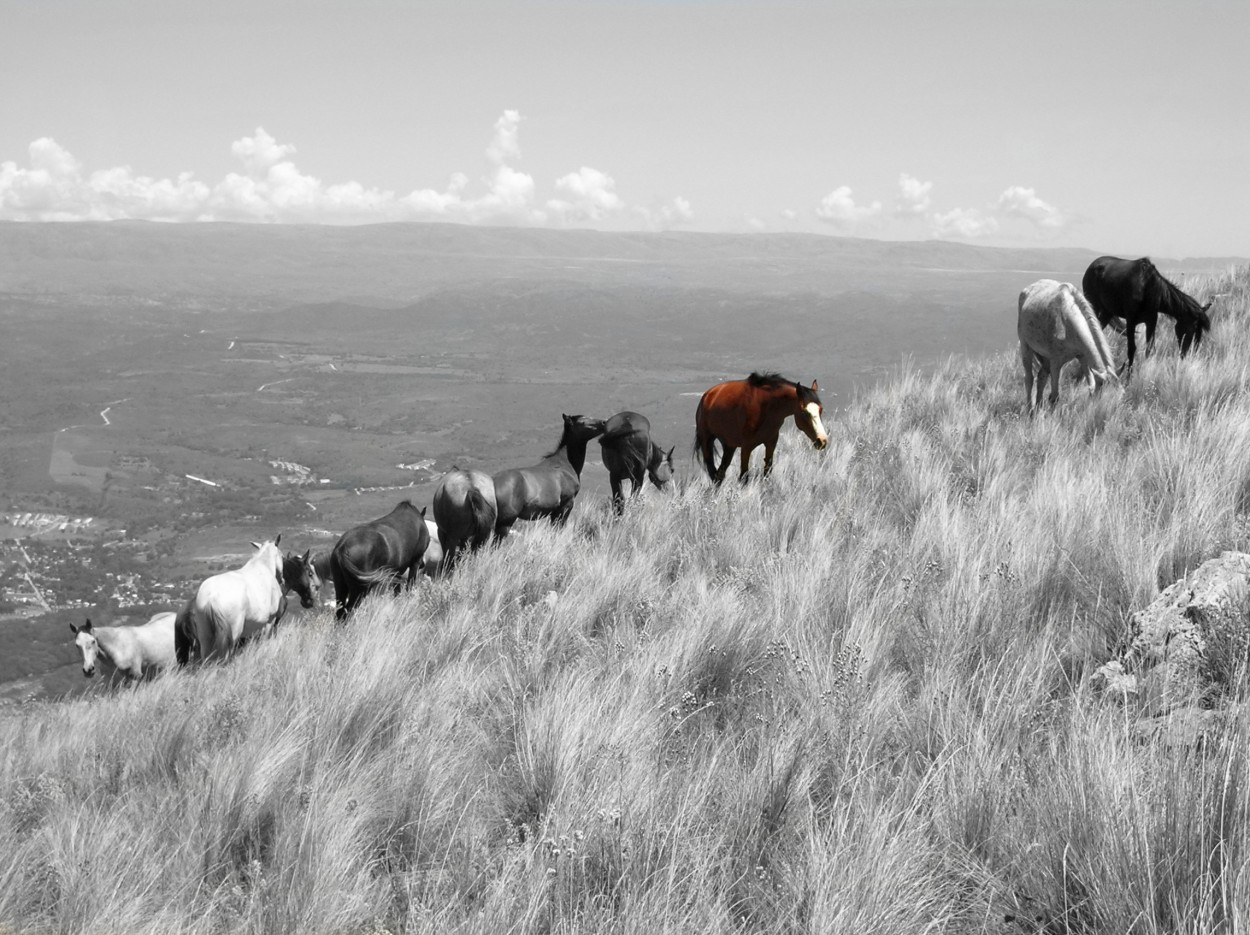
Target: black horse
546	488
629	453
298	575
376	552
1137	292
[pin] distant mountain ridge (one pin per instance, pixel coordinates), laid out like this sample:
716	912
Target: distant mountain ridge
388	264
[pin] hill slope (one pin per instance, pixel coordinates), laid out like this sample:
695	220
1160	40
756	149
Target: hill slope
851	698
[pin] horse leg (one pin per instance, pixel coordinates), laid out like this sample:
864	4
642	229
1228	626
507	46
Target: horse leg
726	458
1054	384
745	465
1043	374
1130	335
618	498
769	447
1026	361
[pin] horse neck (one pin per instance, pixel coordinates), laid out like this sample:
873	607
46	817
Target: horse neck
105	650
575	453
782	400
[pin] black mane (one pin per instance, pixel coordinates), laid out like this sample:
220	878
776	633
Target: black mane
767	381
774	381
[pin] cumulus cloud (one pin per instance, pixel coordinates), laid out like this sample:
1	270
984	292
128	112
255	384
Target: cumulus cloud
271	188
838	208
963	222
505	144
1020	202
586	194
913	196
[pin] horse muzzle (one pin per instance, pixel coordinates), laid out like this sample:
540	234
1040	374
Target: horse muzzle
308	603
820	442
87	673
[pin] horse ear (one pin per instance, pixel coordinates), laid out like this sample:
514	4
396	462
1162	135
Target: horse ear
669	457
1210	302
815	386
307	552
73	629
256	545
277	539
423	512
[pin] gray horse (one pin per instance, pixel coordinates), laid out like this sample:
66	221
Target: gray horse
1056	325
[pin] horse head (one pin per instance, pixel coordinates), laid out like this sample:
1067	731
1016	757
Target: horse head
807	416
85	640
581	428
300	575
660	470
1190	331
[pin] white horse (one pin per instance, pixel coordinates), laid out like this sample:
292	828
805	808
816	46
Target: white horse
135	652
237	604
1055	325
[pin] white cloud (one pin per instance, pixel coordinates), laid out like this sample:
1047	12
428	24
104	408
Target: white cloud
963	222
260	152
839	209
504	145
913	196
270	187
587	194
1020	202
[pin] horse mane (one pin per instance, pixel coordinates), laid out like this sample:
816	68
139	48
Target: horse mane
767	381
1173	301
1095	329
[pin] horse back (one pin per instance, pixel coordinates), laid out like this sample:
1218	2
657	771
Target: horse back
626	445
156	640
735	413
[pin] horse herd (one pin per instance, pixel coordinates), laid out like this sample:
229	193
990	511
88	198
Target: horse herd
1056	323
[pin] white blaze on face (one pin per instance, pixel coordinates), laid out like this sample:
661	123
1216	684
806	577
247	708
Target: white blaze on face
86	642
813	412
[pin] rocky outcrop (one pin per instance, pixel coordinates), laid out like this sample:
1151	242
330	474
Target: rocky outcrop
1190	643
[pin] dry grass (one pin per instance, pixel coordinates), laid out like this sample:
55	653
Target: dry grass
853	698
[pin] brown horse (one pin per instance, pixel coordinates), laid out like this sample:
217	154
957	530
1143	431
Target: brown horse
747	413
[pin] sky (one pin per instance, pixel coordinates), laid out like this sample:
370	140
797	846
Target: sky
1121	127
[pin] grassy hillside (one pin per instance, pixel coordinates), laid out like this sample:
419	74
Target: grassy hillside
853	698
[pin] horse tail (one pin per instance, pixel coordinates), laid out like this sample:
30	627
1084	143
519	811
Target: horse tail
350	568
1105	360
483	517
184	633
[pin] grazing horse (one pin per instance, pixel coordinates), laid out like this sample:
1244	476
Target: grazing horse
465	509
134	652
548	487
629	453
240	603
748	413
1055	324
1137	292
379	551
